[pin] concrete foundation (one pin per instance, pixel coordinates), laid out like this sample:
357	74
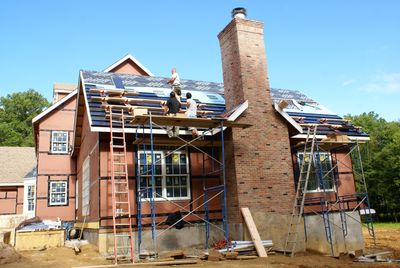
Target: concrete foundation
192	236
271	226
316	238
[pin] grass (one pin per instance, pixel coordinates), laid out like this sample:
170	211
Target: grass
392	225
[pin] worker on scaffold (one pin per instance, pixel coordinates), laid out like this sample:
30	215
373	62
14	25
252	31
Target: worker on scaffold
175	83
172	107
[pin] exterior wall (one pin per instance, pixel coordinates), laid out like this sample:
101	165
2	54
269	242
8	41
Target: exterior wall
11	200
89	148
344	185
258	159
163	208
128	67
54	167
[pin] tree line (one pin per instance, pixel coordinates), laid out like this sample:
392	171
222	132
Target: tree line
381	163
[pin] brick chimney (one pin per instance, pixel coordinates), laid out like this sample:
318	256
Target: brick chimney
259	165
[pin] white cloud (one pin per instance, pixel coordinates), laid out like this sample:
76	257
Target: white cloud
383	83
348	82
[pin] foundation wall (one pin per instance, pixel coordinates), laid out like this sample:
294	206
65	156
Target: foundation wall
316	238
189	237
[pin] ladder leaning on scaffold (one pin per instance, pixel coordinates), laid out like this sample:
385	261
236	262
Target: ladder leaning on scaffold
121	207
298	207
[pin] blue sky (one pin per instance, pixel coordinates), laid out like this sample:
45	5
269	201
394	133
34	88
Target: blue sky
344	54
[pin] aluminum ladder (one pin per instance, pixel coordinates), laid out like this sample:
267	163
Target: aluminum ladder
298	206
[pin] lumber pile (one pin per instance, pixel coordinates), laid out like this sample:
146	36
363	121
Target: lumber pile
245	248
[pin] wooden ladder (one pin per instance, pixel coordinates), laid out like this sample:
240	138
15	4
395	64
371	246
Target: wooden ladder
298	207
122	218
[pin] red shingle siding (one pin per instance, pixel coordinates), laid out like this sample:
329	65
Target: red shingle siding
259	166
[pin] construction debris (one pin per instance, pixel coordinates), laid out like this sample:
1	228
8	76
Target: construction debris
377	257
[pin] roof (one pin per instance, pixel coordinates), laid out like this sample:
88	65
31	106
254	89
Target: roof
127	58
16	163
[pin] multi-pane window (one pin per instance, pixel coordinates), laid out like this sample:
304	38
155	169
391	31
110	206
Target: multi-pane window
58	193
321	175
59	142
171	173
31	198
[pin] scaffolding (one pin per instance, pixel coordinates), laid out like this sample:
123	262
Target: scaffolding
329	201
148	194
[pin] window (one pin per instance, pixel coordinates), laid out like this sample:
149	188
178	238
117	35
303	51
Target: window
59	142
58	193
171	172
325	166
86	186
31	198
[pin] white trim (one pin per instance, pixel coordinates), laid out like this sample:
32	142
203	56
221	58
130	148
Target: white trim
164	175
29	182
239	111
63	90
128	56
66	193
359	138
320	137
288	118
318	189
54	106
52	142
85	100
11	184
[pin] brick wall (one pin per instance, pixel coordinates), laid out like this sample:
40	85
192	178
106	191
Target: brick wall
259	166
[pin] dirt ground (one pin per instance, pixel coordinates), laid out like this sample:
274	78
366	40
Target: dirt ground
387	239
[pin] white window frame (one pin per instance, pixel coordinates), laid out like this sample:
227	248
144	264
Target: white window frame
31	182
86	186
52	184
53	134
164	175
318	190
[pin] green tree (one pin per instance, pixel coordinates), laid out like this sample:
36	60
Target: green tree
16	113
381	161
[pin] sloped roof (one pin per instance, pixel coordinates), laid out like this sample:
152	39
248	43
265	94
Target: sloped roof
16	163
301	108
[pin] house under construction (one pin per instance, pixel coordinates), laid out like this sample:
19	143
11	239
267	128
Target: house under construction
105	161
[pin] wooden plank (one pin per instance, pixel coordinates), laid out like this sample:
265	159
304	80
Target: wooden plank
154	263
255	236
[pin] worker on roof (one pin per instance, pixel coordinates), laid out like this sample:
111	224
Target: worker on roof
175	83
172	107
191	112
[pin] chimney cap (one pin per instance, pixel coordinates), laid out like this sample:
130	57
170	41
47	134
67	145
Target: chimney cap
239	12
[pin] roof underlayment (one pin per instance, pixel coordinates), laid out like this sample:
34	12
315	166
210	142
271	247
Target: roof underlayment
302	109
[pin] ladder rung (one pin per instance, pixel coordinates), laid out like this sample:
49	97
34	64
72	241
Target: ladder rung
121	224
124	247
123	235
119	172
120	182
119	164
119	138
118	154
119	192
121	202
118	146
